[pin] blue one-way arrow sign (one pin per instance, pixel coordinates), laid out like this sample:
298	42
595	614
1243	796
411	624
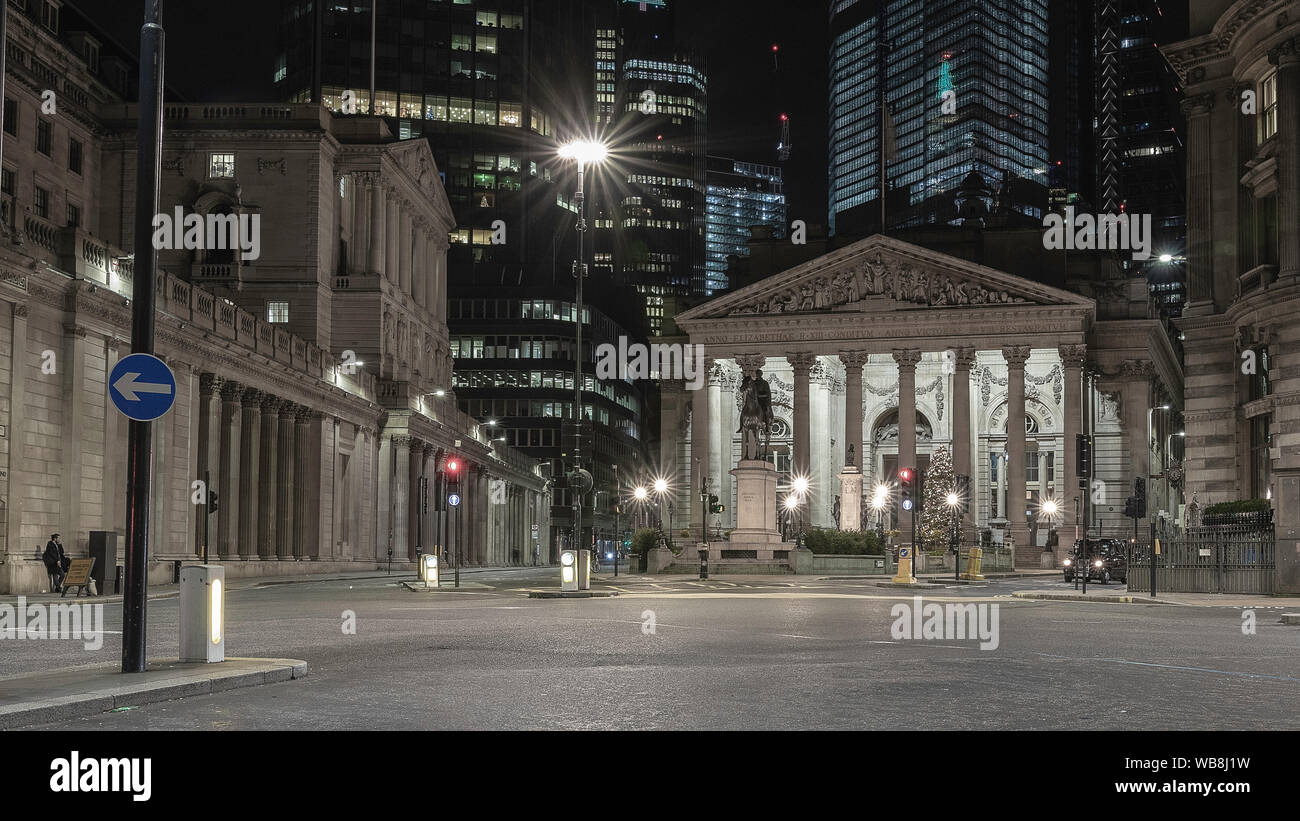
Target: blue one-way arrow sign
142	387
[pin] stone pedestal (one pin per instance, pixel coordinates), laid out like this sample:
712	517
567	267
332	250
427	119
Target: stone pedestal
756	509
850	498
755	502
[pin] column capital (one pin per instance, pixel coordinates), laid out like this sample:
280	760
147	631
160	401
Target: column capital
209	383
801	362
1197	105
271	404
402	440
288	410
1016	356
853	361
964	358
1286	53
1072	356
304	414
907	358
231	391
749	362
251	397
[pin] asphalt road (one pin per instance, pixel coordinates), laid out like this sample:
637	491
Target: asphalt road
779	652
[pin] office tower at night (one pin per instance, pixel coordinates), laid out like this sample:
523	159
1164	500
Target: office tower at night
965	85
1140	150
739	195
651	100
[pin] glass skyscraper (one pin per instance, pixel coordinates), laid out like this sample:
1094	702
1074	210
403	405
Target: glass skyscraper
739	195
963	85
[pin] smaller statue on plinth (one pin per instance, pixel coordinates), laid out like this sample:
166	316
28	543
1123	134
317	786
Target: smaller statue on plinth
848	460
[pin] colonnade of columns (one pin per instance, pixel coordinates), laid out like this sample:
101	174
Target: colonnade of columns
488	528
262	455
962	360
388	239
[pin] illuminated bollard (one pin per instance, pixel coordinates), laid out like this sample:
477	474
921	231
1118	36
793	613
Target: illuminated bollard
202	625
974	558
568	570
429	570
904	574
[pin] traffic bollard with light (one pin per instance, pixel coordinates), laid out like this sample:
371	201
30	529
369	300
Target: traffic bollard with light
904	574
584	569
202	621
704	562
429	569
974	558
568	570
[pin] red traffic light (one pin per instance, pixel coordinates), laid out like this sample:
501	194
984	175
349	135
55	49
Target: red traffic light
453	466
775	48
905	475
784	118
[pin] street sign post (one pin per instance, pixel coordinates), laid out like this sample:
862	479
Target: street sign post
142	387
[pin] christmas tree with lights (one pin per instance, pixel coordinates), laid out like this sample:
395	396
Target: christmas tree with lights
936	514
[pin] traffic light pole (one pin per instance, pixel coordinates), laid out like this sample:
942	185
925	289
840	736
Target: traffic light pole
148	148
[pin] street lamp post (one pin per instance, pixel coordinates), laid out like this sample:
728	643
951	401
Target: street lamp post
954	536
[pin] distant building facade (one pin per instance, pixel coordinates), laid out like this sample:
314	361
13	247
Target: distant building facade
739	196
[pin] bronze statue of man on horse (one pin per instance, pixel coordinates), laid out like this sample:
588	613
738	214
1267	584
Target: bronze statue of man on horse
755	416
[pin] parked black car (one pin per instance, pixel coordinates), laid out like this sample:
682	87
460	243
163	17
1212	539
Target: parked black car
1107	560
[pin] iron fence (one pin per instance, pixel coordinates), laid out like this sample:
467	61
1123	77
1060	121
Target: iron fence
1218	559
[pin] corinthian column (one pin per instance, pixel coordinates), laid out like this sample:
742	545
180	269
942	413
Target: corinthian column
377	252
249	461
1200	190
357	248
853	362
269	471
404	254
1072	359
286	452
228	501
1016	356
699	467
961	447
401	496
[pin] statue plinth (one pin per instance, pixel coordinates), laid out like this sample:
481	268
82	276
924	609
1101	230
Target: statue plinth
850	498
755	504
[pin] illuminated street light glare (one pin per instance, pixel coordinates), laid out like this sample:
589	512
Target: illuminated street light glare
953	500
1166	257
661	486
1049	507
585	152
800	485
639	493
791	502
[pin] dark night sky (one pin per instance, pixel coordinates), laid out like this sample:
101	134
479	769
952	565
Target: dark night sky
224	51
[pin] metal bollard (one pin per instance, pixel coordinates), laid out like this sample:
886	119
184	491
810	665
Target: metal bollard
704	563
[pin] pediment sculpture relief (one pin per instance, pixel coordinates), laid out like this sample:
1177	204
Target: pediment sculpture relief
901	281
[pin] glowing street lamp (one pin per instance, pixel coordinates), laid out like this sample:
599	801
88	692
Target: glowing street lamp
584	153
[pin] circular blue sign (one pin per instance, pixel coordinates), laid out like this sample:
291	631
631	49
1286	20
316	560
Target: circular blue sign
453	500
907	504
142	387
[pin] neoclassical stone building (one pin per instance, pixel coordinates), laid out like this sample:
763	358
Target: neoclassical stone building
1241	68
313	381
881	351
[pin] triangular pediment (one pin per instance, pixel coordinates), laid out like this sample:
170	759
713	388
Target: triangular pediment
877	275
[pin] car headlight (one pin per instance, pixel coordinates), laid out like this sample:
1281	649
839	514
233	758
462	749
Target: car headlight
1097	563
1068	562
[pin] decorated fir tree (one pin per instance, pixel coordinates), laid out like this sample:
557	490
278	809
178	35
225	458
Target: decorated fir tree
936	516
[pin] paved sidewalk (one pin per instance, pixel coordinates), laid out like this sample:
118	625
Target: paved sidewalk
1287	603
77	692
165	591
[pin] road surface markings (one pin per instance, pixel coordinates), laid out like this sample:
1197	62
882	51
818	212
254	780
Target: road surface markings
1179	667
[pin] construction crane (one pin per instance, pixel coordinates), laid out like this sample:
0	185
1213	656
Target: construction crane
783	147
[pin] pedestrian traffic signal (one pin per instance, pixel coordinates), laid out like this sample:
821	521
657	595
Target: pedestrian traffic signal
714	507
453	471
1139	497
212	501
